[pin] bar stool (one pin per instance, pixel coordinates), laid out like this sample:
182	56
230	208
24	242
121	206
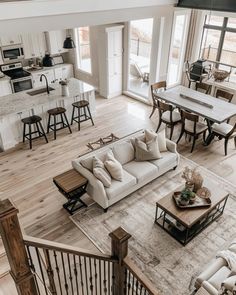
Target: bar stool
36	121
82	116
64	121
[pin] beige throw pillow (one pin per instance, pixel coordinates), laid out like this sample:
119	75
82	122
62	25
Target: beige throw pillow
147	151
161	138
100	172
114	167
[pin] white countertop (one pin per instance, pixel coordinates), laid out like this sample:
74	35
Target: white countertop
45	68
4	78
21	101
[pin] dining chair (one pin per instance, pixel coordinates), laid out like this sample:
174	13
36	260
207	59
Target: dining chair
167	115
226	131
155	88
192	127
203	87
222	94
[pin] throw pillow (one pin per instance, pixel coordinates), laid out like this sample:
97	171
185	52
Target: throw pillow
161	138
114	167
100	172
147	151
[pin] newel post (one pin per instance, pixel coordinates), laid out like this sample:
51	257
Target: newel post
15	249
119	250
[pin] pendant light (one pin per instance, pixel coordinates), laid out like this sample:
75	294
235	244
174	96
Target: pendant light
68	43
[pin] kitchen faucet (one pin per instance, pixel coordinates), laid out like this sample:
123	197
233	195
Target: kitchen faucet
41	78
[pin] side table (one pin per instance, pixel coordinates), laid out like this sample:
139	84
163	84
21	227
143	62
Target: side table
73	186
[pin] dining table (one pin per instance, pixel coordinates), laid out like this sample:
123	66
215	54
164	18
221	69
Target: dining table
213	109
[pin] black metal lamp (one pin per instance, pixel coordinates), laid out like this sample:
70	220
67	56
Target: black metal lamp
69	43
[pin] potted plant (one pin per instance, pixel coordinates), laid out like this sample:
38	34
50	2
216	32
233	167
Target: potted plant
187	196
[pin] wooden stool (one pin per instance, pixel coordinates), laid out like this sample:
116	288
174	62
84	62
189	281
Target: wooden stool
81	105
64	121
39	129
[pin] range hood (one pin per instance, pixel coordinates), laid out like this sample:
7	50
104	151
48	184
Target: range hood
219	5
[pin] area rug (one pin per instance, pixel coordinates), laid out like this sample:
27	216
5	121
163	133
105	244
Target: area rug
171	267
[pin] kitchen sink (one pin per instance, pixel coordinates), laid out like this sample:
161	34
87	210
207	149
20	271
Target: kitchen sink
39	91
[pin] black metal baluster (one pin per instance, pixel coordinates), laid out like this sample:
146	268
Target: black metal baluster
109	278
76	275
81	275
33	268
86	274
125	281
141	289
132	285
70	274
58	271
95	276
104	278
100	277
52	285
64	272
129	285
113	278
41	270
137	286
90	275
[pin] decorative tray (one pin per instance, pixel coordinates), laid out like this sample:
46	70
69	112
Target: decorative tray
198	202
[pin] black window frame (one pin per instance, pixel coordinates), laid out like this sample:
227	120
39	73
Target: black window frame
223	29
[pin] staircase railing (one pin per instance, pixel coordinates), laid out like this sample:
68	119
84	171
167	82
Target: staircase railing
41	267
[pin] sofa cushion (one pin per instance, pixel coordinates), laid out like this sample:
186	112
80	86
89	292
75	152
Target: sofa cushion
88	161
100	172
217	279
142	171
113	166
167	159
118	187
147	151
232	246
123	152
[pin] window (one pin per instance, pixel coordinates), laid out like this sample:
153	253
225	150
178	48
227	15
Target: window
219	39
84	55
177	49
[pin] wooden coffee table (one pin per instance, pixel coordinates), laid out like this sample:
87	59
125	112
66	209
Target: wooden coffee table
185	224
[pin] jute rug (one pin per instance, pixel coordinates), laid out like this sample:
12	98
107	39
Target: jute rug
171	267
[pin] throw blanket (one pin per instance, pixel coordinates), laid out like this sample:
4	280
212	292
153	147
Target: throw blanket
230	258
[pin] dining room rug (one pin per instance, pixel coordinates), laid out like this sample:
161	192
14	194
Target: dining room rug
171	267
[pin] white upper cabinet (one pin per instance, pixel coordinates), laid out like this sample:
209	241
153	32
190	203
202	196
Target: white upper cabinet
34	45
10	40
1	60
55	40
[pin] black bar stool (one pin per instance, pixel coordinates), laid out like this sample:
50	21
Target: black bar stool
82	116
64	121
36	121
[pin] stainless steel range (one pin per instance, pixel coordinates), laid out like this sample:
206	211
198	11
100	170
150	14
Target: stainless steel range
20	79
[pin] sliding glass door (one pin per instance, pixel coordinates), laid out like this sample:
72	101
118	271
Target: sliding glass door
177	48
140	43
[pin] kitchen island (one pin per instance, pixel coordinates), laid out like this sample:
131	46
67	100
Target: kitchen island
14	107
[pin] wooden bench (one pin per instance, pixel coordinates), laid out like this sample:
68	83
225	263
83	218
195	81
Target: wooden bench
73	186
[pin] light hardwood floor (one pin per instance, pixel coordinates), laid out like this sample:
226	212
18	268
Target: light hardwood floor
26	175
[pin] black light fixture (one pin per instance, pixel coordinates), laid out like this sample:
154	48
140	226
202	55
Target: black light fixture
68	43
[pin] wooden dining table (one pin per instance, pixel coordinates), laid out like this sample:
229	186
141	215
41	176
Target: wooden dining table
214	110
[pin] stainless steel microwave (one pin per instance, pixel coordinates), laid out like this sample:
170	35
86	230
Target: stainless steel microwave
12	52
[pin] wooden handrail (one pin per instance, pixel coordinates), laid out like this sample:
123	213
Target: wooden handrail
136	272
45	244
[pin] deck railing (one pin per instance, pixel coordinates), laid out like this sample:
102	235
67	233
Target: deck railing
41	267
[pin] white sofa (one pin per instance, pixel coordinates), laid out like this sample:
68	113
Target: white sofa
136	174
216	273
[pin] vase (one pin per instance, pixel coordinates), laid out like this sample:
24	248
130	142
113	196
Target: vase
189	186
198	182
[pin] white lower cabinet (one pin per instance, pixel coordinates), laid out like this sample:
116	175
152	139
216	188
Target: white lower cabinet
63	72
5	87
36	78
